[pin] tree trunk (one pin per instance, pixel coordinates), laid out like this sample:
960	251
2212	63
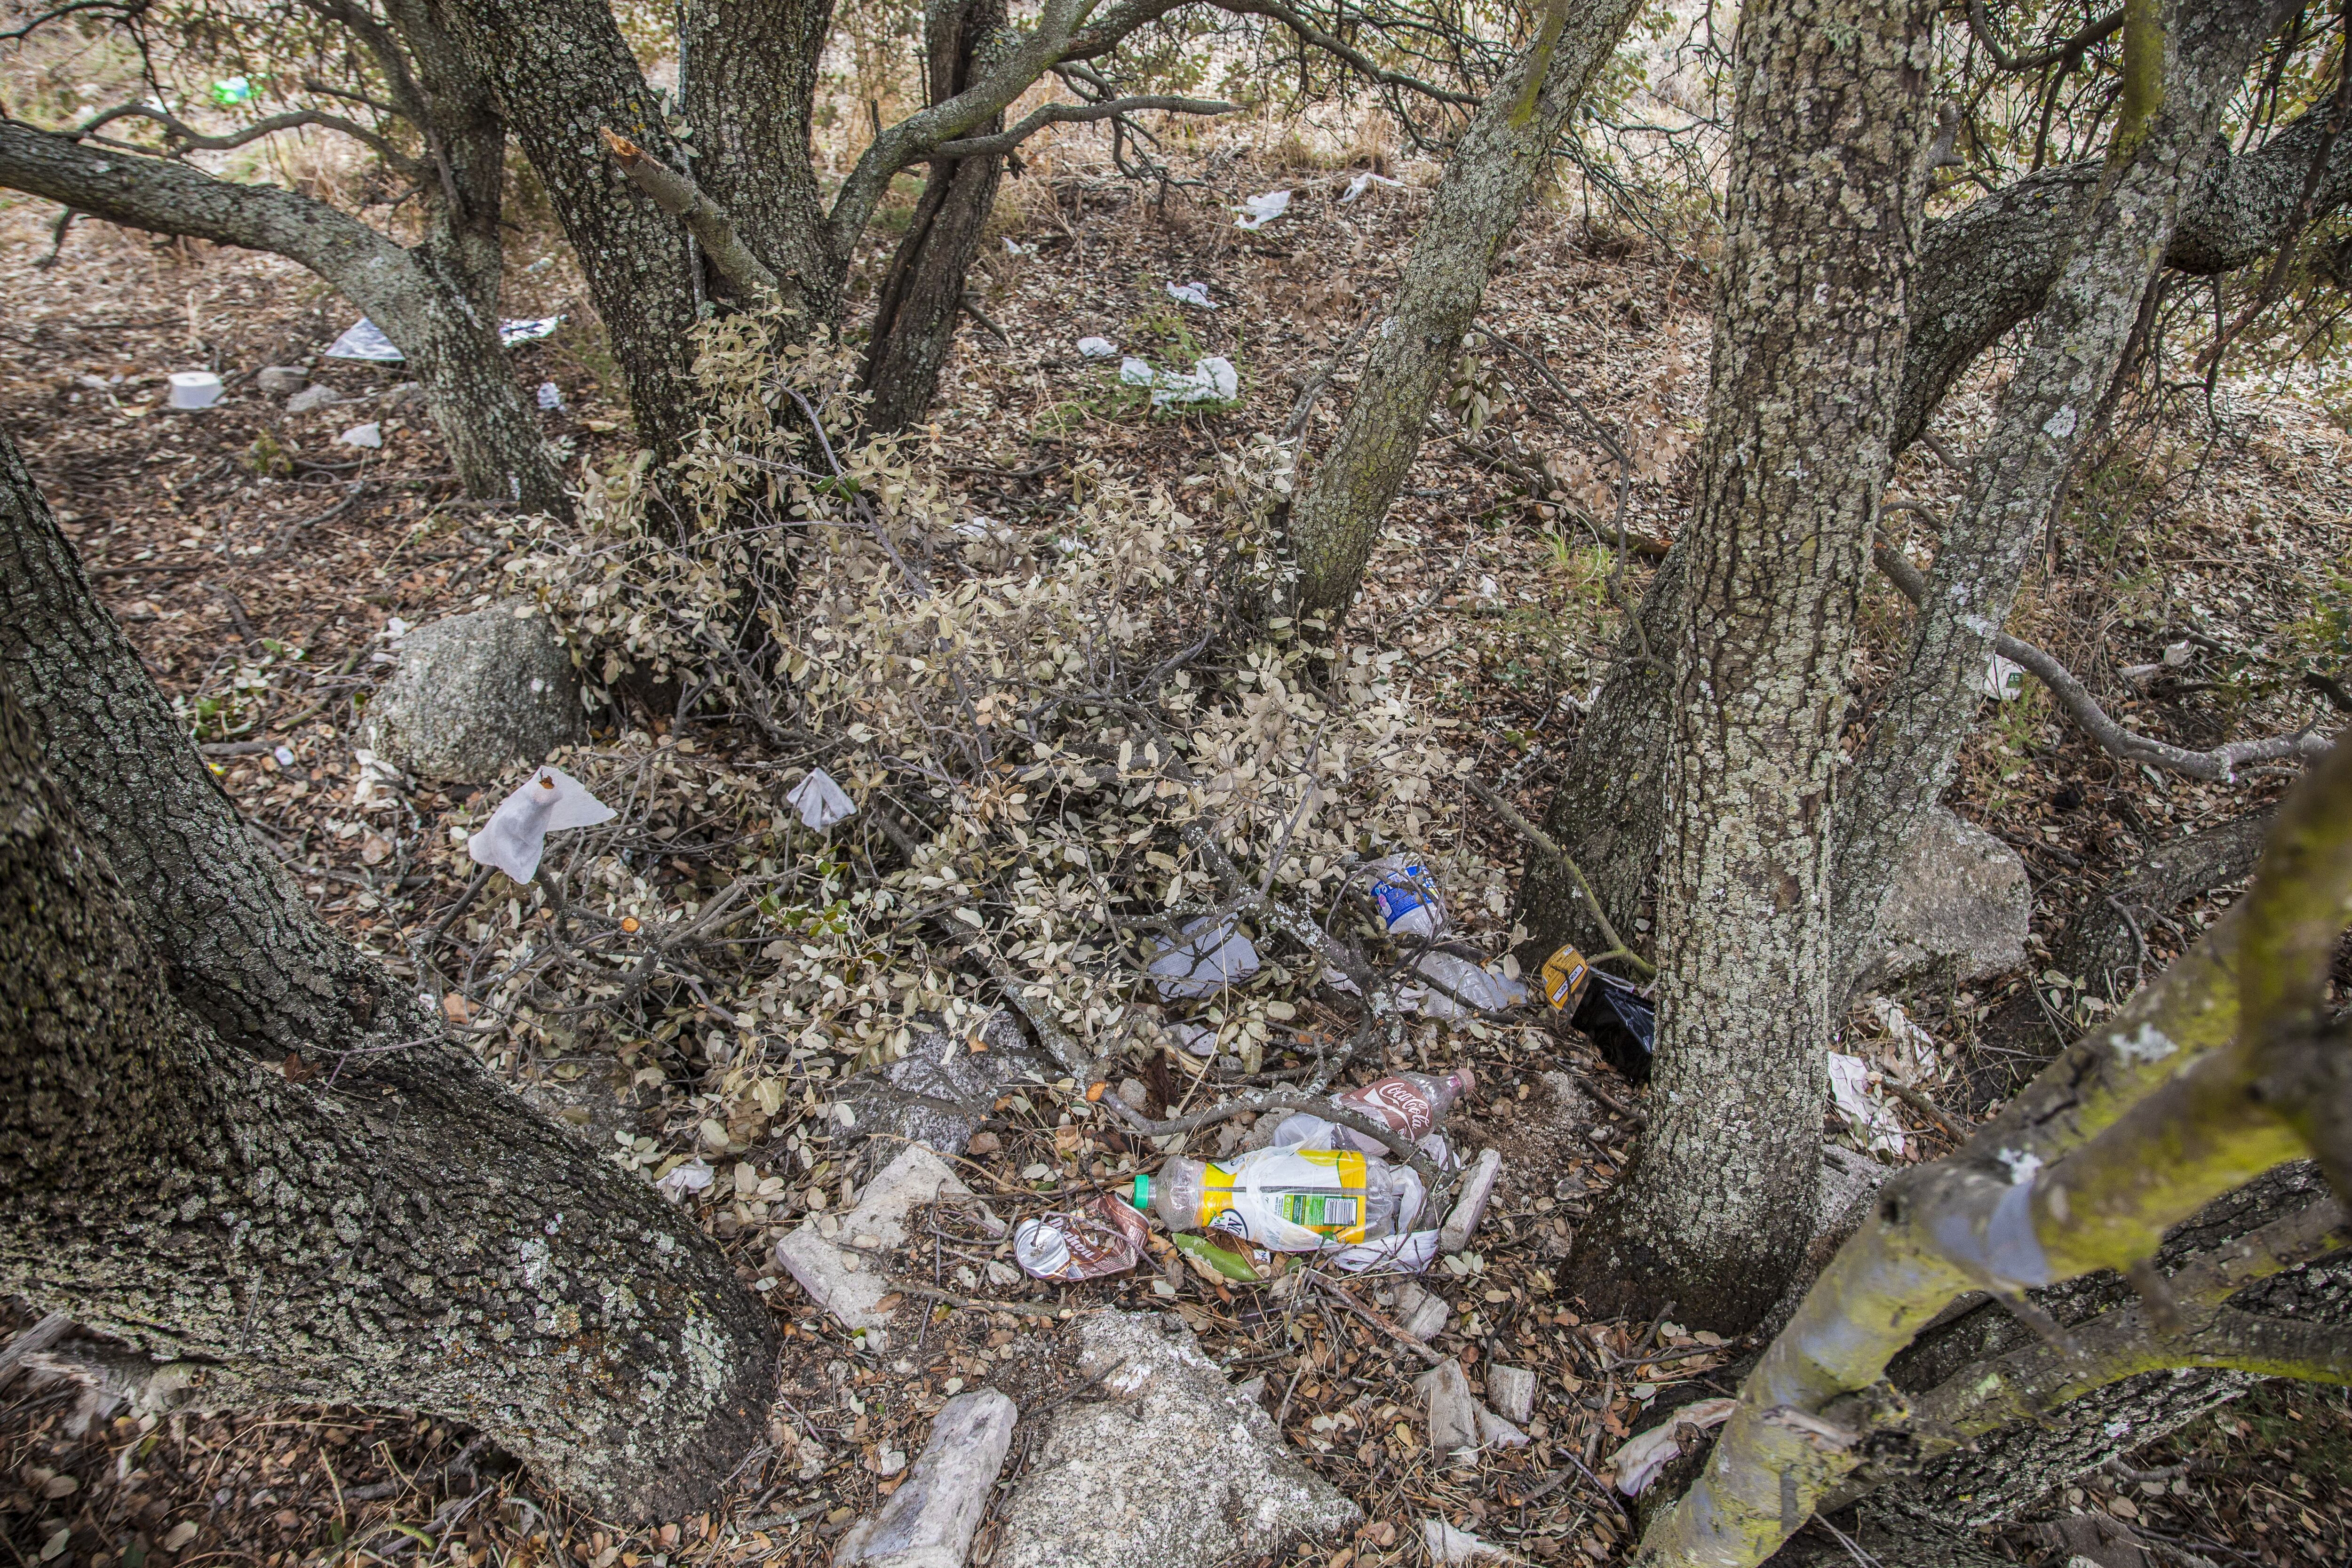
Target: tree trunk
562	73
1981	271
494	441
1487	182
1823	210
752	70
466	145
379	1222
2044	415
915	315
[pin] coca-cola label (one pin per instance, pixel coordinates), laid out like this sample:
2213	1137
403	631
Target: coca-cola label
1397	1103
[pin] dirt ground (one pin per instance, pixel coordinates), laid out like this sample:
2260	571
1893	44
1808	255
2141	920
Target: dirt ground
259	565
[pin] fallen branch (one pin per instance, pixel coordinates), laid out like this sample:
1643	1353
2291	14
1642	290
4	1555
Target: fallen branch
1550	845
2220	764
677	194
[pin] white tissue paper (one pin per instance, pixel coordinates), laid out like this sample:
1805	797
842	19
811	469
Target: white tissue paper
1258	211
1194	293
1098	348
693	1176
1874	1120
365	340
1364	182
820	801
367	434
1212	380
516	834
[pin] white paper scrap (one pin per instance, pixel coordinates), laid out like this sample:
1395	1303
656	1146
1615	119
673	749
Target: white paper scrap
516	834
1260	210
820	801
1194	293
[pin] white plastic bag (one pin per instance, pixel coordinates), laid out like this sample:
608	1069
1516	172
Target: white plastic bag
516	834
1098	348
1260	210
1210	958
1364	182
1214	380
367	434
820	801
693	1176
1194	293
1873	1120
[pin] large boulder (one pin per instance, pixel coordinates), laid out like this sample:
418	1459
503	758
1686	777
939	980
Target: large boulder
1959	905
1166	1464
476	694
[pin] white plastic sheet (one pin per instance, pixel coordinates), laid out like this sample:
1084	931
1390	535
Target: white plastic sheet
1098	348
1194	293
516	834
1364	182
1210	958
365	341
1260	210
820	801
1482	988
550	397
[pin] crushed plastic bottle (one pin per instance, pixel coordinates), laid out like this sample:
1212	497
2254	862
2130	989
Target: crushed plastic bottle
1285	1198
1473	989
1107	1237
1411	1104
1407	896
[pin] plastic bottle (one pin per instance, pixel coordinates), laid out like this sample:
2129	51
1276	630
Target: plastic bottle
1284	1198
1479	987
1407	896
1410	1104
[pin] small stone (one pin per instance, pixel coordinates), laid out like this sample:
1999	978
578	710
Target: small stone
281	380
461	706
1418	1314
370	435
930	1519
1511	1390
1471	1206
831	1272
311	398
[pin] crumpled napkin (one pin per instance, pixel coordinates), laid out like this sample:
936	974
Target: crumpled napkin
516	834
820	801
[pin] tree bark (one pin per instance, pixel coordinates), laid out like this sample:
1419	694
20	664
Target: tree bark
494	441
2045	414
381	1222
1486	183
563	73
751	71
239	941
915	315
1826	166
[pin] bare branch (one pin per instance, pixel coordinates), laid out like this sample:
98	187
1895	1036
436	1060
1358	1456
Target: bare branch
678	195
1357	60
1074	114
2220	764
1551	846
1982	26
186	138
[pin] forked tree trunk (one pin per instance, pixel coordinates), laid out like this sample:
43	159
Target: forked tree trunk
1714	1213
379	1222
1487	181
915	315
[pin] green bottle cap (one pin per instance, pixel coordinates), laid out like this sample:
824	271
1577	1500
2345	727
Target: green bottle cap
1142	1198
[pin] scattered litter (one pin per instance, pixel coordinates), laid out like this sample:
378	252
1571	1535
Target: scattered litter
1421	1313
1407	896
1221	1257
1411	1104
1610	1012
516	834
1468	988
1470	1206
1212	956
1098	348
1917	1046
285	756
929	1521
1451	1547
691	1176
1260	210
1874	1120
1637	1464
2001	678
1365	181
837	1258
365	341
820	801
1287	1198
1211	380
373	786
1194	293
1452	1413
230	91
194	389
367	434
550	397
1511	1390
311	398
281	380
1107	1237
